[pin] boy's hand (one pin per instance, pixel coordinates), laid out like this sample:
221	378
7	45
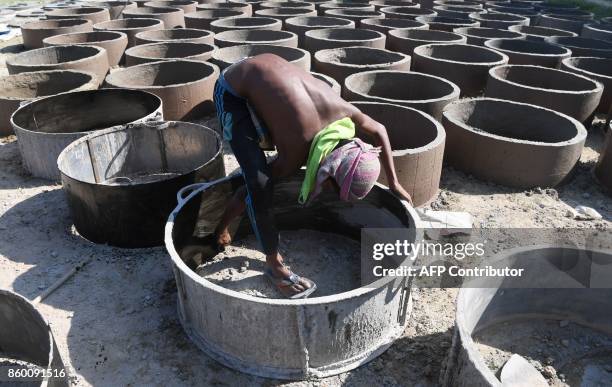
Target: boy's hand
397	189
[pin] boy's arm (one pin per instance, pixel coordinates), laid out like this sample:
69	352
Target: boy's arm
378	133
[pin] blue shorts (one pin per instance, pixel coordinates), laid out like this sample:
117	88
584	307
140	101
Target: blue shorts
243	131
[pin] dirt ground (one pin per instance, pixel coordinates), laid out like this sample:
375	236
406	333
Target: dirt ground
115	321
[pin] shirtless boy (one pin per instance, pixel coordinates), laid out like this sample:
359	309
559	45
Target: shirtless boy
263	103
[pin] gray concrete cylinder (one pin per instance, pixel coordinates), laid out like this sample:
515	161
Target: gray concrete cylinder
34	32
597	31
226	56
562	91
172	17
386	25
63	118
540	34
321	336
164	51
409	13
465	65
580	46
245	23
325	38
511	143
186	35
19	88
26	335
131	27
499	20
114	42
242	37
201	19
417	141
185	86
92	59
603	169
547	291
339	63
599	69
300	25
525	52
405	41
446	23
478	35
427	93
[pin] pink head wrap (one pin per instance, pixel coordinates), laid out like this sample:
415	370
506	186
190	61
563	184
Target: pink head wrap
355	168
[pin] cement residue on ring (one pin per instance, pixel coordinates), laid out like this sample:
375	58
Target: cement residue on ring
573	94
530	52
330	260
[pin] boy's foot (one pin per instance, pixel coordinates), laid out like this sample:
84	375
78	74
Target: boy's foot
291	286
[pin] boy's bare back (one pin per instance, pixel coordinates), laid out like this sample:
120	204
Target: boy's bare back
294	105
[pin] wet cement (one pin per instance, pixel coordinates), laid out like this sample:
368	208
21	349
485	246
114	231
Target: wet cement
330	260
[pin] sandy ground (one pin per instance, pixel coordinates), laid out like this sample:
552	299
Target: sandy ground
115	321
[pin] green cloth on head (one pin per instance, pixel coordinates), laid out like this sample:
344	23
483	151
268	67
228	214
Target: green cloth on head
323	144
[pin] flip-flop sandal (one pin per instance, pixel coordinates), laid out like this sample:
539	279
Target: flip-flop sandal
284	284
